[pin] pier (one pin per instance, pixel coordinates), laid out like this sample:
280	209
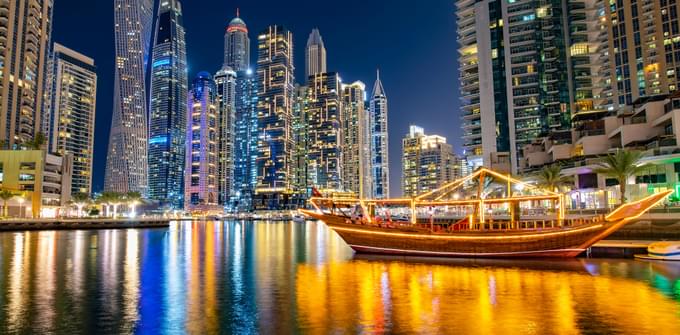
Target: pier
73	224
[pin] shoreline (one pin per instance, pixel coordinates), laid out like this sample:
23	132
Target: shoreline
76	224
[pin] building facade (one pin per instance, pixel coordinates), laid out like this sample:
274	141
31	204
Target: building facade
72	104
168	108
428	162
237	45
127	160
315	54
355	153
225	81
42	180
380	168
202	143
245	141
275	80
324	122
26	29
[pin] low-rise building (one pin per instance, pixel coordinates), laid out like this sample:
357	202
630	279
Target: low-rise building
41	181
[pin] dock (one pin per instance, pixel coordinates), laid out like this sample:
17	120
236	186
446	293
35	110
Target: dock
618	248
76	224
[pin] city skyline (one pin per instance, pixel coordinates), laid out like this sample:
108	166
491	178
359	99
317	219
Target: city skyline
202	29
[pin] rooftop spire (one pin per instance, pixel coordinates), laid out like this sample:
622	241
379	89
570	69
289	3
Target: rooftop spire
238	12
378	89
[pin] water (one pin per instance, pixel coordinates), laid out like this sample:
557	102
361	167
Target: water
281	278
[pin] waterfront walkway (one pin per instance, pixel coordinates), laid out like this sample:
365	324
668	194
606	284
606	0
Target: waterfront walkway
87	223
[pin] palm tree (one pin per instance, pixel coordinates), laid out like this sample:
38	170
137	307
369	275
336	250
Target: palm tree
107	199
5	196
80	200
621	165
133	199
551	178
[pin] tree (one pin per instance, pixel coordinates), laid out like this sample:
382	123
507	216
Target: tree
37	143
111	199
133	199
551	178
5	196
621	165
80	200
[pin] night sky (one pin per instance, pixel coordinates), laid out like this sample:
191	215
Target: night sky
413	44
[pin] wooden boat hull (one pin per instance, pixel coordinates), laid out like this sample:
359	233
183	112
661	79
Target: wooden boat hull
568	242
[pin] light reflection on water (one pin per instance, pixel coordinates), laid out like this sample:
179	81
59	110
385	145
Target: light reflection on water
239	277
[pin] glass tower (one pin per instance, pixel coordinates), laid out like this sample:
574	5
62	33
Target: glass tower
245	141
167	123
126	163
379	141
225	80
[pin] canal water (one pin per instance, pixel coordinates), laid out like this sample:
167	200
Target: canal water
281	278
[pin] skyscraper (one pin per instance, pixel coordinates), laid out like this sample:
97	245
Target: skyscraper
324	122
126	163
237	45
428	162
167	124
355	153
25	30
380	168
225	80
245	141
71	105
201	175
274	108
315	54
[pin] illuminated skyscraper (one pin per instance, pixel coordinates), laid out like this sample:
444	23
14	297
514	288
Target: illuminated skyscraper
245	141
237	45
25	29
225	80
202	136
72	105
428	162
315	54
379	141
355	148
126	163
274	107
167	124
324	124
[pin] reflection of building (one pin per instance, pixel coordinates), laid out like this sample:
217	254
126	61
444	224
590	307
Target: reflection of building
275	92
72	103
126	163
201	189
428	162
225	81
168	108
380	167
25	30
44	179
355	148
324	124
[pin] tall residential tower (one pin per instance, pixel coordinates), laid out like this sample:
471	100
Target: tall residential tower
168	108
126	163
380	168
315	54
25	30
237	45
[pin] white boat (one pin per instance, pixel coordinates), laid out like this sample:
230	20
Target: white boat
662	251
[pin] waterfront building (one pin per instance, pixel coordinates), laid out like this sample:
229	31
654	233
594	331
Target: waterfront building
275	93
168	108
237	45
26	29
72	104
301	138
324	123
225	81
41	180
126	163
537	83
355	145
245	141
202	137
315	54
380	168
428	162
